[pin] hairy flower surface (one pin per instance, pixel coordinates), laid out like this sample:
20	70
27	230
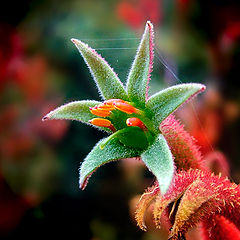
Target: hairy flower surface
195	196
219	228
127	113
183	146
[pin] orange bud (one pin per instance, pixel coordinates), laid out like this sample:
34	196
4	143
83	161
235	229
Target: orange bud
100	112
100	122
135	122
125	107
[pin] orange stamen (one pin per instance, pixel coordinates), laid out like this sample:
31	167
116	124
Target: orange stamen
136	122
101	122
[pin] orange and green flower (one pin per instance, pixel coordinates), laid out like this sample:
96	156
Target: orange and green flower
127	113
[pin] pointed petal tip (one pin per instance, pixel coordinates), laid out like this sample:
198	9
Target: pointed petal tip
82	187
82	184
83	181
45	118
149	24
78	43
74	40
201	87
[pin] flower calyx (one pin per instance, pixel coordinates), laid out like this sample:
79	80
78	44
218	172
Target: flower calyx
130	128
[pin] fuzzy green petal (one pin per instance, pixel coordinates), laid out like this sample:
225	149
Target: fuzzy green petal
163	103
77	110
139	76
159	160
113	150
106	79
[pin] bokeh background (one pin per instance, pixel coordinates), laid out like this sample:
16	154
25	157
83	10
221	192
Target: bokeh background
196	41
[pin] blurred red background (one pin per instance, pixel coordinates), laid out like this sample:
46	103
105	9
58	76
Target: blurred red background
40	69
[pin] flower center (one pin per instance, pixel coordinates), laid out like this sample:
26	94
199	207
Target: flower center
105	109
135	133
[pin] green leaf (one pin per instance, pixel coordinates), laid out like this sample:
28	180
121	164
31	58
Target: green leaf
113	150
78	110
139	75
159	160
163	103
106	79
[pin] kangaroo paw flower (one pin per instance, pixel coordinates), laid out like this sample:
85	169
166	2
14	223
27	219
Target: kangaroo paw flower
139	134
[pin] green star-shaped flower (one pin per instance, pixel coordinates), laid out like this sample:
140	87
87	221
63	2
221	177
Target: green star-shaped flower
127	113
